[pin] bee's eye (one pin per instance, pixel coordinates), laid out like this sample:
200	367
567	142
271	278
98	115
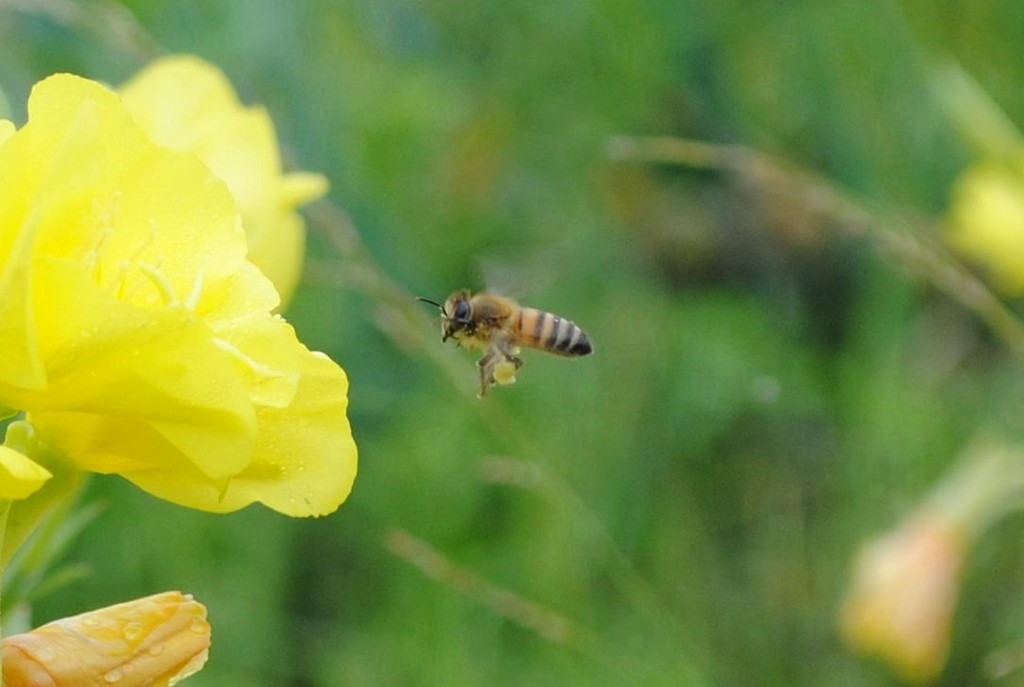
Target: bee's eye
461	311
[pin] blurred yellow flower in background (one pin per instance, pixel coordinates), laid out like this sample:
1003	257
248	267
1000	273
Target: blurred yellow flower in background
906	584
137	337
904	593
986	221
187	104
155	641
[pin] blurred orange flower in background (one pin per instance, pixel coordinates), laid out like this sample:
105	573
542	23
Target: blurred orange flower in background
904	594
906	584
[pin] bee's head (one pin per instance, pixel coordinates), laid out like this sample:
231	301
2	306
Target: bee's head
456	315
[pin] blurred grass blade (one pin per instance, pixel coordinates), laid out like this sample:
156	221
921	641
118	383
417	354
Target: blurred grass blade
985	126
906	242
31	573
533	616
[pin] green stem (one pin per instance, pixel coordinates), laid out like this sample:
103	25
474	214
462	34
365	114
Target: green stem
26	514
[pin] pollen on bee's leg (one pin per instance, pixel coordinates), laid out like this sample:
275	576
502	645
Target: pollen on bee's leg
497	367
504	372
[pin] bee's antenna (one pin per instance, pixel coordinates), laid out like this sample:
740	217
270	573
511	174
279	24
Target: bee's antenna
434	303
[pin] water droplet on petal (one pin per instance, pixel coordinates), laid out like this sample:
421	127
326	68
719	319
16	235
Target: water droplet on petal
114	675
132	631
156	649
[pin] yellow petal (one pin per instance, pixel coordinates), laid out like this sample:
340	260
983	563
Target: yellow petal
160	369
247	292
150	642
279	252
84	183
21	360
115	216
305	458
6	129
20	477
188	104
173	98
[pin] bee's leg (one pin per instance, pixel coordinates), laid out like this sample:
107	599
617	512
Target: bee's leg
486	365
508	352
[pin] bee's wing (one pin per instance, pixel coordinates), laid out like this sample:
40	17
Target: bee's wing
517	278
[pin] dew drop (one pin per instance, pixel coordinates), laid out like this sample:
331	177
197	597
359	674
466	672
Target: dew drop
132	631
113	676
156	649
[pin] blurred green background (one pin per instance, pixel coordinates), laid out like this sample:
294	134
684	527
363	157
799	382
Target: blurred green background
768	390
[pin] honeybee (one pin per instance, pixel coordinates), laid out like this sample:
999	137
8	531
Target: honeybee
500	325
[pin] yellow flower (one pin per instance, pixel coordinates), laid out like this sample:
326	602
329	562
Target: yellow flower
188	104
155	641
135	334
904	594
20	477
986	222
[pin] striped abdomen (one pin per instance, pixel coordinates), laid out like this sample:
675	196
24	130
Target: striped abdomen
547	332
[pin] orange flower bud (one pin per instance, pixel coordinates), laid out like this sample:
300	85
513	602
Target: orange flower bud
155	641
905	590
